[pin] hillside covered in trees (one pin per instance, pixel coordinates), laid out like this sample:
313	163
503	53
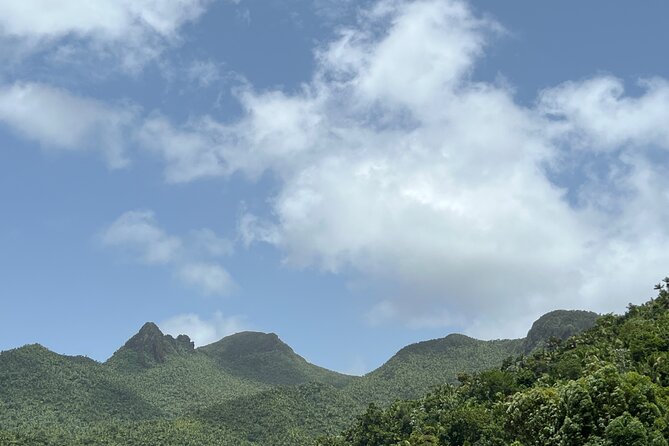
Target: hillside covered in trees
607	386
252	389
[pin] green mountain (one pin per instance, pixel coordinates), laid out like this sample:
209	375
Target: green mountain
417	368
285	415
608	386
560	324
246	389
40	388
263	357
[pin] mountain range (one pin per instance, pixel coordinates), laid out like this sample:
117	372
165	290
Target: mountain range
249	388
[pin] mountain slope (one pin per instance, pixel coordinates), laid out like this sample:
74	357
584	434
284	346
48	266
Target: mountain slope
183	384
285	415
39	387
263	357
172	375
293	416
560	324
607	386
417	368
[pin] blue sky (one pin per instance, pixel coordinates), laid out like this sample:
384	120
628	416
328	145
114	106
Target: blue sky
354	176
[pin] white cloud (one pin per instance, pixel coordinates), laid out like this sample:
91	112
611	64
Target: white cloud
211	278
598	116
138	233
60	120
133	31
425	49
397	166
189	154
201	331
251	229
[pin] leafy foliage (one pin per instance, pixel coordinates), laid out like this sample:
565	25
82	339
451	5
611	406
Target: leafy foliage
606	386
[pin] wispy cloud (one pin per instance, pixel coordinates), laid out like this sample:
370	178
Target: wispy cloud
190	258
129	31
204	73
211	278
138	231
60	120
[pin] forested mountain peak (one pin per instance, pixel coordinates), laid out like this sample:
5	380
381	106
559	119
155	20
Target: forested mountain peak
26	348
247	343
149	347
264	357
559	324
440	345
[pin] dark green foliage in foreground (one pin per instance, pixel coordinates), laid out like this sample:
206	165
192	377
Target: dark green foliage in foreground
605	387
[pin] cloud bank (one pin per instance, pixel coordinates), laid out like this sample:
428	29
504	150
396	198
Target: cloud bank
455	204
443	192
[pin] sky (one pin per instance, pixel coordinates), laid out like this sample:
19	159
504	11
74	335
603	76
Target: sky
353	176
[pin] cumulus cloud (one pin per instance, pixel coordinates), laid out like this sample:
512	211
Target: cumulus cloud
203	331
440	191
211	278
597	114
139	232
60	120
190	153
190	258
133	31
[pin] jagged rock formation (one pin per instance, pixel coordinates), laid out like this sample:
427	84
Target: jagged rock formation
149	347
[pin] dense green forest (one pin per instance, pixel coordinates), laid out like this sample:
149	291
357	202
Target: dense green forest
253	389
607	386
